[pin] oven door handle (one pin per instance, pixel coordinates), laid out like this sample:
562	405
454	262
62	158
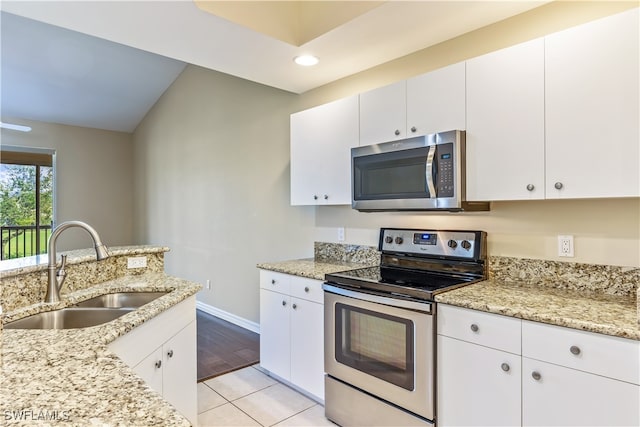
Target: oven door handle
423	307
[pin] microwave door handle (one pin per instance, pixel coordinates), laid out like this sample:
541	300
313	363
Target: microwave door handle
429	171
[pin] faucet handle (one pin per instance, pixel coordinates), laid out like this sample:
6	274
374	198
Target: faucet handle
61	273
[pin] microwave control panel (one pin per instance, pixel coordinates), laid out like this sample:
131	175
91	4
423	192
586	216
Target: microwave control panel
445	170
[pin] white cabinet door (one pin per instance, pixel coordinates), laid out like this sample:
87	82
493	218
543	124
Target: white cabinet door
592	111
275	347
179	371
436	101
383	114
563	396
150	370
307	346
505	124
477	386
321	139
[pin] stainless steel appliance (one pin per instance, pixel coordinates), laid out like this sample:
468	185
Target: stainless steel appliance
380	326
422	173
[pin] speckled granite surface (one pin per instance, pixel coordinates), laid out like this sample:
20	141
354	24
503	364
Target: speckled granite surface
69	377
330	252
309	267
24	280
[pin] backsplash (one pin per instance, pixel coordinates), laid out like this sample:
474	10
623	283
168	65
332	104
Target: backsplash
607	279
27	284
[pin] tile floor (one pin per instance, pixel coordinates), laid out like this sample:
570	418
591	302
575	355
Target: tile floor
248	397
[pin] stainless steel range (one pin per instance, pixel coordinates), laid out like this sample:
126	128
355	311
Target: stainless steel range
380	326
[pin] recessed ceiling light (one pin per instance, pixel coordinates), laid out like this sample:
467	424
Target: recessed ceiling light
306	60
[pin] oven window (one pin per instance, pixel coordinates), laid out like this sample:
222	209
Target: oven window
375	343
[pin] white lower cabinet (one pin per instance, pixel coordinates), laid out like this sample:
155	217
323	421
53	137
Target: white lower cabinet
162	352
292	330
563	376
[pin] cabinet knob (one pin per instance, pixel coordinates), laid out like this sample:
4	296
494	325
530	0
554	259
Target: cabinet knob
558	185
397	132
284	303
273	281
170	353
474	327
306	289
505	367
158	364
326	197
295	306
413	129
530	187
574	349
536	375
315	197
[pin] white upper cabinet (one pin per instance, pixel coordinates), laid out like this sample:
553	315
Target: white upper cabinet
429	103
383	114
321	140
505	124
592	137
436	101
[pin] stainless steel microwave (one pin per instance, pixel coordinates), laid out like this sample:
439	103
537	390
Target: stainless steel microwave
421	173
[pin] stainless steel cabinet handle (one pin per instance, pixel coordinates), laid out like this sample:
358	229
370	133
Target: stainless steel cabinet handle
474	327
505	367
170	353
558	185
413	129
531	187
397	132
574	349
158	364
306	289
284	303
536	375
295	306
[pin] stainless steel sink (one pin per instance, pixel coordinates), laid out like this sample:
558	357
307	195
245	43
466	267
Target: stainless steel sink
121	299
69	318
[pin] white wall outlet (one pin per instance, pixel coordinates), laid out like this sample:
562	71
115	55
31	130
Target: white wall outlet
136	262
340	234
208	284
565	246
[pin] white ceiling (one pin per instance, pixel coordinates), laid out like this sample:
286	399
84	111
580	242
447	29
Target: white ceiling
57	75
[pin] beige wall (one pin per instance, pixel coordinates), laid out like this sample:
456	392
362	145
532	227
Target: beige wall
93	178
605	231
212	183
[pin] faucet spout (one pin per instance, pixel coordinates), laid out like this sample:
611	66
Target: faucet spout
57	276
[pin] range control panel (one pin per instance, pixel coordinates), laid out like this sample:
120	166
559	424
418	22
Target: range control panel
437	243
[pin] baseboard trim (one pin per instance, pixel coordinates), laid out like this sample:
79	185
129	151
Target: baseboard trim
229	317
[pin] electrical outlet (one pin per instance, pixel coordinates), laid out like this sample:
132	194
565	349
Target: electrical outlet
340	234
565	246
208	285
136	262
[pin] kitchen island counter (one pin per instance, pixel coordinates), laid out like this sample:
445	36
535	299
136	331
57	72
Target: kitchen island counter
69	376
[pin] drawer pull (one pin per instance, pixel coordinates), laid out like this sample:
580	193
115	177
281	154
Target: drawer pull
575	350
505	367
474	327
306	289
170	353
536	375
158	364
295	306
284	303
273	281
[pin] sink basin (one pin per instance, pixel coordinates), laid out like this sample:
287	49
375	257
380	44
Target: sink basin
121	299
69	318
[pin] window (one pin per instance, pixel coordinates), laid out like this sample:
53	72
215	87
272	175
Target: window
26	201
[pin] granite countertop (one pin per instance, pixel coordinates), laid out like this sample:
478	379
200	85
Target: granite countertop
310	267
70	377
587	311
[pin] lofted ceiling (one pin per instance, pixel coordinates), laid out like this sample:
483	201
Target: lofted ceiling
103	64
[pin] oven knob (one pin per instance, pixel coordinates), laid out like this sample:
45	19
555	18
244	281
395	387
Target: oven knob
466	245
452	244
388	239
399	240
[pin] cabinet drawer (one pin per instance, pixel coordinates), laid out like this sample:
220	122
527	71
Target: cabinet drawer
599	354
308	289
278	282
490	330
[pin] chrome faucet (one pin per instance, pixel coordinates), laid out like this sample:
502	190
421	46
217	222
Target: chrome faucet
57	276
